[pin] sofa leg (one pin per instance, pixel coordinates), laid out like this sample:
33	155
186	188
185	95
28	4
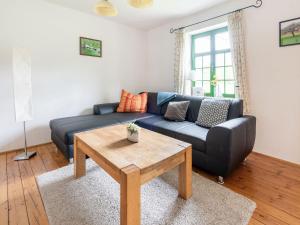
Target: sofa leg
220	180
71	161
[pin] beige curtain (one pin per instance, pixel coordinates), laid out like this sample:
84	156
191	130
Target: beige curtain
179	65
236	31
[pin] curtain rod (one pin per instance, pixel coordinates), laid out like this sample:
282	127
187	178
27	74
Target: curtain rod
257	5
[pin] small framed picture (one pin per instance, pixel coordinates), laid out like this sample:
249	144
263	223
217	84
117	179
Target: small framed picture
90	47
289	32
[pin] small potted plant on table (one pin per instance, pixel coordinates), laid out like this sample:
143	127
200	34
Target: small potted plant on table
133	131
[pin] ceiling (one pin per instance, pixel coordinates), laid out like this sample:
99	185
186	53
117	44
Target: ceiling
161	12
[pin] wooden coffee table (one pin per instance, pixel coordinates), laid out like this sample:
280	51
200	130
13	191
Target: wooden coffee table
133	164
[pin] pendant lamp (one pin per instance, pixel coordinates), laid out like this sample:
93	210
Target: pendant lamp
105	8
140	3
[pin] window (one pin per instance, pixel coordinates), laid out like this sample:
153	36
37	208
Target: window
211	59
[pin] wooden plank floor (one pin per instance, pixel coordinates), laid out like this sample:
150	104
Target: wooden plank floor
273	184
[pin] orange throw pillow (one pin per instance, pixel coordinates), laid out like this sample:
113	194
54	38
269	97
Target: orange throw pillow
133	103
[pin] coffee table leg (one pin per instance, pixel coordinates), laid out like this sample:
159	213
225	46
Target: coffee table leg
185	176
79	161
130	196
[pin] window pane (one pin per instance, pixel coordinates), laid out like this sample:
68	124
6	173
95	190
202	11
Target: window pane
220	73
222	41
198	84
220	59
206	74
206	61
202	44
198	62
229	73
228	59
220	89
197	75
206	86
229	87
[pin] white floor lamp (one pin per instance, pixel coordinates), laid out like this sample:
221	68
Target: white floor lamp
22	93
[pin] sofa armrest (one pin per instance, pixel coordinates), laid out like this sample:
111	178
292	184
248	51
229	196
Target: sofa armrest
232	141
106	108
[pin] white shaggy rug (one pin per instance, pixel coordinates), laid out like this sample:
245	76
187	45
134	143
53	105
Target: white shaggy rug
94	200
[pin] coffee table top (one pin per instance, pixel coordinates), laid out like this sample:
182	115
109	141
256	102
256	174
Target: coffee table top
111	143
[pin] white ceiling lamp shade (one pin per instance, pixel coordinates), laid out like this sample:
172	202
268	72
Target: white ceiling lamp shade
105	8
140	3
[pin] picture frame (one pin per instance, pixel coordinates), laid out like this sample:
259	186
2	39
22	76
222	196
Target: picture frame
90	47
289	32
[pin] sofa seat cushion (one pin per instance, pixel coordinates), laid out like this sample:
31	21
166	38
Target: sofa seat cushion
185	131
159	124
65	128
130	117
195	135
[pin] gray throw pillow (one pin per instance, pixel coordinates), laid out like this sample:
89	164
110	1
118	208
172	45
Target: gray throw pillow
213	112
177	110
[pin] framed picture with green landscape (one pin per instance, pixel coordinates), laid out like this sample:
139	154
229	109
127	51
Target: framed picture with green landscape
289	32
90	47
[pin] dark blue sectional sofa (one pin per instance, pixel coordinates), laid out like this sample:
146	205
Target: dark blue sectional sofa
218	150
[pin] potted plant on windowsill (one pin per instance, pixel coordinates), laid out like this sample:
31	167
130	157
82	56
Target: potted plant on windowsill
133	131
215	84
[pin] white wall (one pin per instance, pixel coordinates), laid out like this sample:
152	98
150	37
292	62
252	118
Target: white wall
274	74
64	83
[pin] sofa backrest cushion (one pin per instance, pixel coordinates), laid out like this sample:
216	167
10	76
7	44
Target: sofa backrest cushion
235	109
152	106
